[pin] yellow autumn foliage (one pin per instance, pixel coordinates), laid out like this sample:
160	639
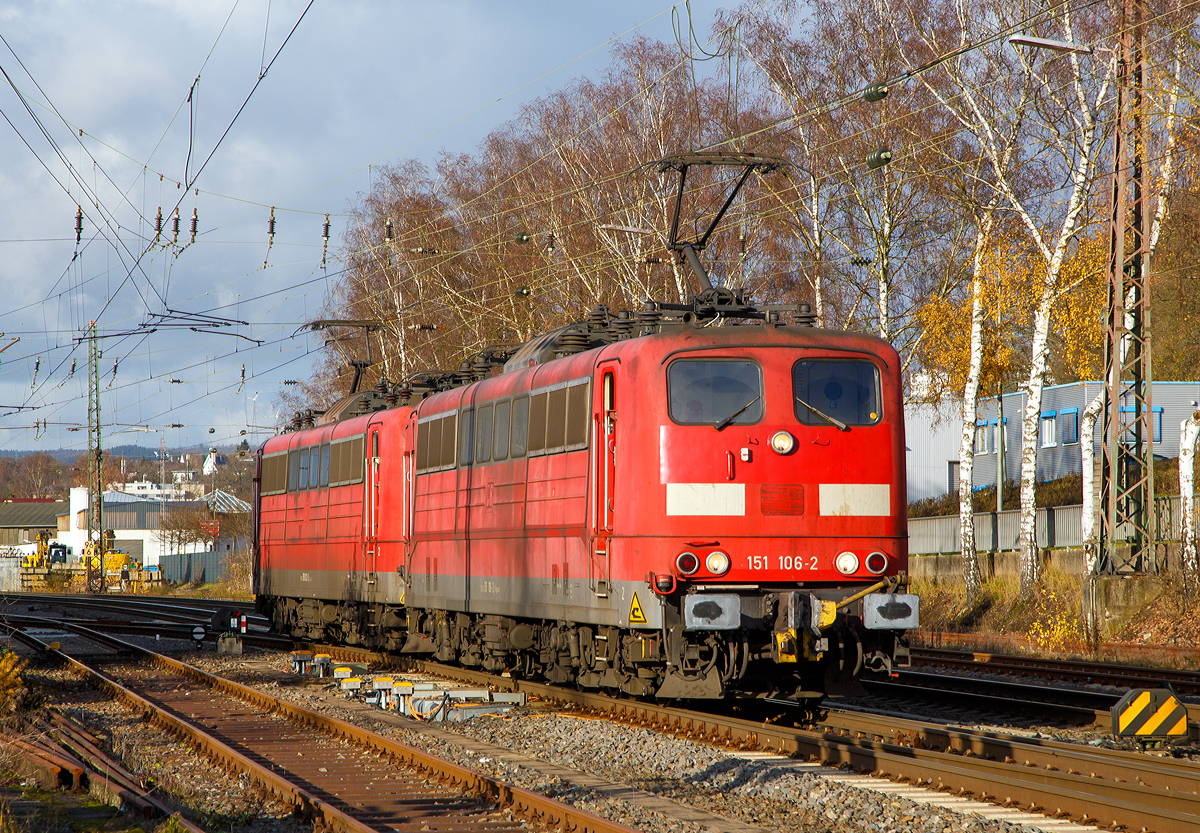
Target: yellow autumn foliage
1013	272
12	683
1008	294
1078	322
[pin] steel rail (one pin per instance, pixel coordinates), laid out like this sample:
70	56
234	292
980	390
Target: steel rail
169	630
177	609
521	802
1072	792
1010	697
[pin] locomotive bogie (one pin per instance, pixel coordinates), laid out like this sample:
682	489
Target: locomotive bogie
681	516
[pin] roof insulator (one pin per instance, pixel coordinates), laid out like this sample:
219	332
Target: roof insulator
876	92
878	158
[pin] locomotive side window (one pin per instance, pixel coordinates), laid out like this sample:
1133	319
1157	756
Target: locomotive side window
559	417
847	391
715	391
483	434
520	427
293	470
274	474
325	465
537	422
435	442
465	422
429	437
501	420
345	462
304	456
354	472
335	462
578	415
449	425
556	419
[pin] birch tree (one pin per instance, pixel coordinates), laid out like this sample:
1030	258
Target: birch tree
878	242
1087	452
970	405
1189	431
1062	101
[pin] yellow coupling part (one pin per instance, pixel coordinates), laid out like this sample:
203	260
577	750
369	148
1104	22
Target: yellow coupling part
814	649
786	645
825	616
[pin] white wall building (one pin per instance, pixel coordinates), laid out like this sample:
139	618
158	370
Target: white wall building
934	433
132	516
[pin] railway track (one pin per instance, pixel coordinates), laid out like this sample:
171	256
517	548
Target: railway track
1113	788
1030	703
346	777
1098	673
1110	787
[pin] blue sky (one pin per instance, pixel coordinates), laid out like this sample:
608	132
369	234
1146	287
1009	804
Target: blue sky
359	84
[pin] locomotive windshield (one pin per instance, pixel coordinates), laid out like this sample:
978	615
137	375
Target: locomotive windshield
846	391
710	392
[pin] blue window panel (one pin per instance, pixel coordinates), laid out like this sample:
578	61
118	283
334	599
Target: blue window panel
1068	426
1156	421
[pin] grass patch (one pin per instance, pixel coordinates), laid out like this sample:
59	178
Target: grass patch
1052	619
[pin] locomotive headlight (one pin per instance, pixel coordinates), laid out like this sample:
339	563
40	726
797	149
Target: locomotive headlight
783	443
877	562
717	563
687	563
847	563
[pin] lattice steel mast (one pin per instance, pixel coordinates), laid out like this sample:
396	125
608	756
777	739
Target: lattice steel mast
1127	528
95	574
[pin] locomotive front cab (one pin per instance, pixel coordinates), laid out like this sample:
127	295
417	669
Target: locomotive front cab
780	529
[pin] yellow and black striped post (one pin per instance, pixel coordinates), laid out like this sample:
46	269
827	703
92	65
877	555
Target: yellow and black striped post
1149	713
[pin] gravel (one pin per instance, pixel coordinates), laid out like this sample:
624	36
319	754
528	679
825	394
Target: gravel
759	793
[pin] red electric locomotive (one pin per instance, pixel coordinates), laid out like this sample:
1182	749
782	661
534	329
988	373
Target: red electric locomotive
685	502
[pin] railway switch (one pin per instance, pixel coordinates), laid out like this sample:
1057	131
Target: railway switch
322	664
382	688
301	661
1150	714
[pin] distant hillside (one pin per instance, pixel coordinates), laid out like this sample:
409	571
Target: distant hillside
136	452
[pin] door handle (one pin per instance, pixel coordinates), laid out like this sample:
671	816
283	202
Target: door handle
729	460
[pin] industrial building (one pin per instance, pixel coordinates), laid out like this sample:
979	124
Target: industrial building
934	433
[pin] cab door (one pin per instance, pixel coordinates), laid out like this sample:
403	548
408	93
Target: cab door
371	514
604	469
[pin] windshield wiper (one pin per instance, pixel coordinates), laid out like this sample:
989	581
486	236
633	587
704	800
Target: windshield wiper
736	413
841	426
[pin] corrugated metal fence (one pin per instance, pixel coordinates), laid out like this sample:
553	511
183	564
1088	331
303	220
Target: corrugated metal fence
196	567
1058	526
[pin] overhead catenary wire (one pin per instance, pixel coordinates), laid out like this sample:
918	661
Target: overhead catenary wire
285	291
